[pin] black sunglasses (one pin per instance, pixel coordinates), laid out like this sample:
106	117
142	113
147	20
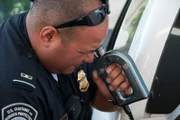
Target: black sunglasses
91	19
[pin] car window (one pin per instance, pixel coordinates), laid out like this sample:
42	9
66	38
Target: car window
129	25
9	8
116	7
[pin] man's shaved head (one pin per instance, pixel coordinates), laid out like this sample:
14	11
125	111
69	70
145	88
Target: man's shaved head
52	12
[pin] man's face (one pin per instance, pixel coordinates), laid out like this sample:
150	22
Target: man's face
65	58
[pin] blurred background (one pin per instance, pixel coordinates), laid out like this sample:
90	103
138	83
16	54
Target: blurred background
12	7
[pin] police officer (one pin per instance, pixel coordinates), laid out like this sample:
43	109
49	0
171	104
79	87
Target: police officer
45	56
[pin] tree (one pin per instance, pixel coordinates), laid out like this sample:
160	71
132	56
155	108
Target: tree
12	7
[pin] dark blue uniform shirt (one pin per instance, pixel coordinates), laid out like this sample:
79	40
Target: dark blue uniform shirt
27	90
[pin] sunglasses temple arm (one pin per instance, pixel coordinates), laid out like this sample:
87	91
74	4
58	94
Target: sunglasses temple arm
71	24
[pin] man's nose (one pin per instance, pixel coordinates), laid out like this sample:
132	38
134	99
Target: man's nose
89	58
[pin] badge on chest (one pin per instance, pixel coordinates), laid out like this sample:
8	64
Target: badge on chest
83	82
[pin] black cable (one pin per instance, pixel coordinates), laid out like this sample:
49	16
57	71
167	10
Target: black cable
128	112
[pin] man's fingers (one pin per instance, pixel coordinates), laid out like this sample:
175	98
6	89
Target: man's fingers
95	75
124	86
97	79
115	72
117	82
110	68
101	85
128	91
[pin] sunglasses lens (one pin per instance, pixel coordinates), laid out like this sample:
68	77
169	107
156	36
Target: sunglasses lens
97	16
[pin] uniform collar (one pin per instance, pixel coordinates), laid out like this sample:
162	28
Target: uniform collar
23	31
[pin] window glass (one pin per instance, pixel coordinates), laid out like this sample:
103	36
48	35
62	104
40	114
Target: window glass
116	7
130	24
12	7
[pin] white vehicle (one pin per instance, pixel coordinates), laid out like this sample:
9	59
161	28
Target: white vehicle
149	31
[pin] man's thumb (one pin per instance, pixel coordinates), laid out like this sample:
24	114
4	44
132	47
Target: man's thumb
97	79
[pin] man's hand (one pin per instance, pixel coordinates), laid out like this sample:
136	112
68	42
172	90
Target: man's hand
116	79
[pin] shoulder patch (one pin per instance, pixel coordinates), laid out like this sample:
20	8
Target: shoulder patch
19	111
25	73
26	76
24	82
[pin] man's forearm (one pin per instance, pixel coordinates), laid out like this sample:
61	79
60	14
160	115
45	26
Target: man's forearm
101	103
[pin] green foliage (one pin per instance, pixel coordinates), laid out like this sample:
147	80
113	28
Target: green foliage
135	21
12	7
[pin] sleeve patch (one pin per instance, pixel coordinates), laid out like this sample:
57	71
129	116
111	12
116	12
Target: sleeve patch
19	111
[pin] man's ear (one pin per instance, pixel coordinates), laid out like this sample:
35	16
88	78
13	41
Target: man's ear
47	35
